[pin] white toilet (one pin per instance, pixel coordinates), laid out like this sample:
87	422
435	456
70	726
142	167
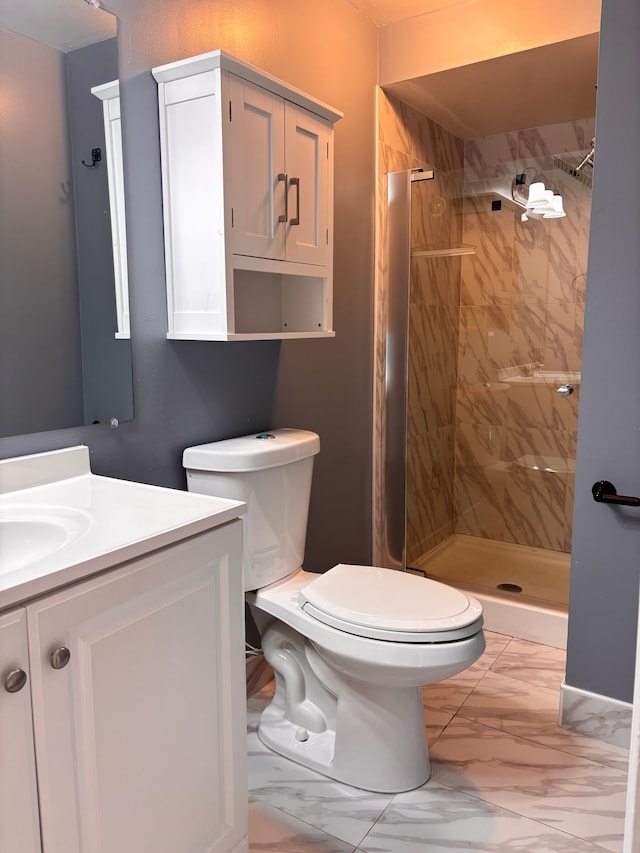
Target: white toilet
351	647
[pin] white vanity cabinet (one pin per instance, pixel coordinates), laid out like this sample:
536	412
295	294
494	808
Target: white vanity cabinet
109	94
136	678
247	172
19	821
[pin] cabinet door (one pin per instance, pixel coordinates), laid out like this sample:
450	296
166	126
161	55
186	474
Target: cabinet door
141	737
307	157
258	184
19	823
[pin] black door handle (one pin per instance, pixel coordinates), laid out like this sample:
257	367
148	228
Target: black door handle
605	492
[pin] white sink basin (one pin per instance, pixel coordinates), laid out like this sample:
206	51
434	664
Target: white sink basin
60	524
30	533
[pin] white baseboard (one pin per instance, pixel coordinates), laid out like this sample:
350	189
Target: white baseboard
594	715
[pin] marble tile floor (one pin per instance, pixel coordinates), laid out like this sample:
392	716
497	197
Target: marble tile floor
505	776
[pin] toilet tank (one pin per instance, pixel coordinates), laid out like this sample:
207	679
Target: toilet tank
270	472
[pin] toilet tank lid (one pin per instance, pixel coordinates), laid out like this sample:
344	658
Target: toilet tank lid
252	452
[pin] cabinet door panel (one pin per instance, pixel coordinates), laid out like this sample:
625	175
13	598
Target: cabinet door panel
19	824
257	158
141	736
307	155
193	203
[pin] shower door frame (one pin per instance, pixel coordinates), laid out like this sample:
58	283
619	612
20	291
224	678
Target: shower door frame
396	364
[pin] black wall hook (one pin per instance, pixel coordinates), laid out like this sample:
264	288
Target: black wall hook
96	157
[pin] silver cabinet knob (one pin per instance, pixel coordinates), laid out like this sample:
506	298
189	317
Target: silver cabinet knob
565	390
15	680
60	657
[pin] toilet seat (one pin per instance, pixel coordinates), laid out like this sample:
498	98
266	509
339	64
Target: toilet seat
382	604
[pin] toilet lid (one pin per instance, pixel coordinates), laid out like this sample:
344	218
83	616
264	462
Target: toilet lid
389	605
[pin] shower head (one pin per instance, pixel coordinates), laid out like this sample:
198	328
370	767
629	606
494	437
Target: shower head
569	169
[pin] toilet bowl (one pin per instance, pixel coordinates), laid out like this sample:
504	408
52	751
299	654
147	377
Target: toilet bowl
350	648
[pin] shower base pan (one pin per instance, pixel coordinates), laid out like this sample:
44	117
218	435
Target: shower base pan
493	571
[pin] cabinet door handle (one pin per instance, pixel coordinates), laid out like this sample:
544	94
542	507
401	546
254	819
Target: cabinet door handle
295	182
60	657
282	176
15	680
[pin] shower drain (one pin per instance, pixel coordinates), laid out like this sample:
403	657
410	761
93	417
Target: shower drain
509	587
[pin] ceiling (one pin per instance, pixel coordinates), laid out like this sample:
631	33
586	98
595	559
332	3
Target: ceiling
547	85
63	24
532	88
383	12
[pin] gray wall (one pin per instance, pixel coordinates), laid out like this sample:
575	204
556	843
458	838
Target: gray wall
39	338
106	362
190	392
606	541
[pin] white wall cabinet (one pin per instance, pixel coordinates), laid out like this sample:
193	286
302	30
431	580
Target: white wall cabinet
139	743
109	94
247	171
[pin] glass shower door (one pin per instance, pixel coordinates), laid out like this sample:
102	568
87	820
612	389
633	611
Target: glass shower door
493	379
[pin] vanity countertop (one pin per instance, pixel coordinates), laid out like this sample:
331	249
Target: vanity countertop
59	523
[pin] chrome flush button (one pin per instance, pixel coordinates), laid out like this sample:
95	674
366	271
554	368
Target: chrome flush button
265	435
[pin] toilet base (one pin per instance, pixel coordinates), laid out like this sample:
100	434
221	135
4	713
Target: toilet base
317	753
364	735
282	736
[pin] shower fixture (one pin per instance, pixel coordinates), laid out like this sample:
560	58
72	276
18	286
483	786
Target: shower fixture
569	169
529	191
588	159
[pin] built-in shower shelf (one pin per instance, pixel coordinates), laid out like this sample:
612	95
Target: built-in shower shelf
477	192
444	251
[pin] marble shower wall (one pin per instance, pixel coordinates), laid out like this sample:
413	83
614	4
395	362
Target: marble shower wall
408	140
521	303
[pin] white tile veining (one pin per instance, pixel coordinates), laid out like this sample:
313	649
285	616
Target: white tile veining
505	776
